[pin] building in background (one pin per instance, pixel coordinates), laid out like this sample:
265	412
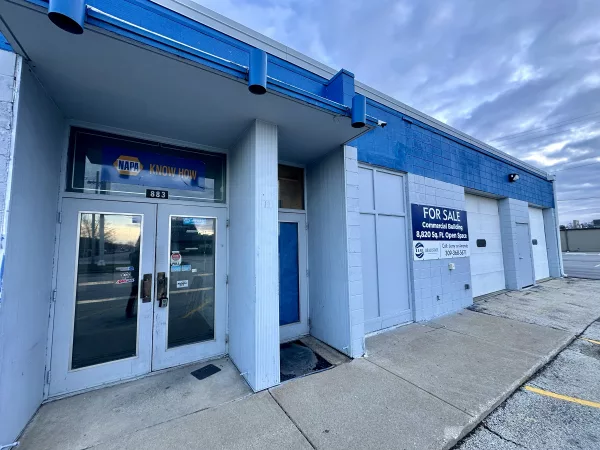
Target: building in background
177	187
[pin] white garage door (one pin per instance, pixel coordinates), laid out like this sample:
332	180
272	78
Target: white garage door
384	249
538	243
485	243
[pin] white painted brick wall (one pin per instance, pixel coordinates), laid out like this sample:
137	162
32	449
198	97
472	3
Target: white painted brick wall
437	290
357	312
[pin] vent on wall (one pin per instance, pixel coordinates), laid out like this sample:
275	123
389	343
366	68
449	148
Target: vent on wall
481	243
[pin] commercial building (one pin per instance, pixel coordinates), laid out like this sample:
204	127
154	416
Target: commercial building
177	187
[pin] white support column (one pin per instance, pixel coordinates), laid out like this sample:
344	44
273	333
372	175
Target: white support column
253	256
552	229
335	283
552	234
355	281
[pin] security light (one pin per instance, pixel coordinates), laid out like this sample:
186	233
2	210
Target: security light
513	177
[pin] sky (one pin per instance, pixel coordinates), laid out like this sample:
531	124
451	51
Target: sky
523	76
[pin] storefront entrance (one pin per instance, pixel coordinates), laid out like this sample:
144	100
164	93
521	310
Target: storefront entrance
141	287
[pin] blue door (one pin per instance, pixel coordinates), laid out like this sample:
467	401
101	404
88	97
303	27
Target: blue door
289	279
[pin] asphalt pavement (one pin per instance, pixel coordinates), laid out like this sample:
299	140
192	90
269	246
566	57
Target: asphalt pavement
582	265
559	408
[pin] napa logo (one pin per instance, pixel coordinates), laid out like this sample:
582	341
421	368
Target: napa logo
128	165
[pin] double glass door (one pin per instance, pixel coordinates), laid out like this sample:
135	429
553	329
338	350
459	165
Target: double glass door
141	287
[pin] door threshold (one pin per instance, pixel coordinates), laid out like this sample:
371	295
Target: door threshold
51	399
294	338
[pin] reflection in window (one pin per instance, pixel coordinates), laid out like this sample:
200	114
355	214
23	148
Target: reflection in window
106	164
106	295
291	187
191	281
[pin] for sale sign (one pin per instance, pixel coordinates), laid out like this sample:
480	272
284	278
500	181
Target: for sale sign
439	233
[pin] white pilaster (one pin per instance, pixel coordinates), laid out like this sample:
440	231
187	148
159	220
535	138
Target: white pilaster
253	256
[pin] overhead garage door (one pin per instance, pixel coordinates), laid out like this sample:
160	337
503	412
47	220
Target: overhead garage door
538	243
485	244
384	249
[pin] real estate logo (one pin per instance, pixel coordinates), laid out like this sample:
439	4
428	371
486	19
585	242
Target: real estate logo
128	165
419	250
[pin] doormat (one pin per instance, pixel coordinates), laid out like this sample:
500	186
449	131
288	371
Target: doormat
297	360
205	372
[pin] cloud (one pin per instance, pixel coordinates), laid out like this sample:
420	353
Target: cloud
491	69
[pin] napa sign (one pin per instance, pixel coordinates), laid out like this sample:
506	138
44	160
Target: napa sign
127	166
439	233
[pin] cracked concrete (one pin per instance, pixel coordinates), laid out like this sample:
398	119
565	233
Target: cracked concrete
566	304
423	386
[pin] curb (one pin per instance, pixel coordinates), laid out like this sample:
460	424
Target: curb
514	387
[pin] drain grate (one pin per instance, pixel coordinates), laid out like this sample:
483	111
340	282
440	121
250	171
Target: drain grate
205	372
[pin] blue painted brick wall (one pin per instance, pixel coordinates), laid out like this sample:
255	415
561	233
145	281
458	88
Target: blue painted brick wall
417	148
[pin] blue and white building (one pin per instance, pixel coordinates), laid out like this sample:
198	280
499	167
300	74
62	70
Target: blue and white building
175	187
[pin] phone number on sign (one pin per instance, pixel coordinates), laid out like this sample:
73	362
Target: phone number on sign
455	252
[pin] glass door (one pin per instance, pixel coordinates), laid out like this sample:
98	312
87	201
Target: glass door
190	305
103	311
293	289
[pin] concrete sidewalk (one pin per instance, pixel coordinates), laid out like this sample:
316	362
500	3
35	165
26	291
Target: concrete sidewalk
422	386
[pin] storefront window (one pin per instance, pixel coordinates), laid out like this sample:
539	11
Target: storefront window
113	165
291	187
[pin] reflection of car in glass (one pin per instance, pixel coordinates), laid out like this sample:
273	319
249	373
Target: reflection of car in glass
134	259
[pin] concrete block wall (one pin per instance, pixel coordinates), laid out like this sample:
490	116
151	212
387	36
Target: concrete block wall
512	212
437	290
357	312
410	146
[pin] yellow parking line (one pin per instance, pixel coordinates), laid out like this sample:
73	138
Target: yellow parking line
590	340
562	397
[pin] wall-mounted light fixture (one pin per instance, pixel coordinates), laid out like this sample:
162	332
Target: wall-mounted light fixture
513	177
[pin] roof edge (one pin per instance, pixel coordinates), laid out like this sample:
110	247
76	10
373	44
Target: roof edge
216	21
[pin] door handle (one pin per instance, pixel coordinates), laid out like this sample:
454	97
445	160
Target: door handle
161	289
147	288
